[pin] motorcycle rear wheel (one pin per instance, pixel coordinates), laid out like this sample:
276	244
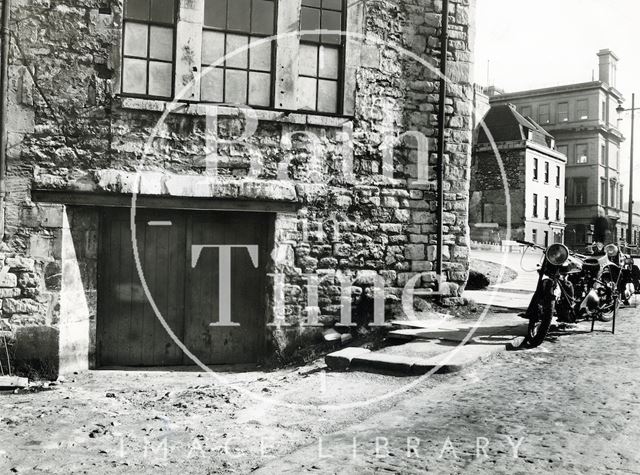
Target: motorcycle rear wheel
539	324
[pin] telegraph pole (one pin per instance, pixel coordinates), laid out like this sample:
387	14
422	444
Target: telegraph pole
633	115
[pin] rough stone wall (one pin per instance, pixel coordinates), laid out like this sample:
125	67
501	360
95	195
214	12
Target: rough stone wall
488	187
69	131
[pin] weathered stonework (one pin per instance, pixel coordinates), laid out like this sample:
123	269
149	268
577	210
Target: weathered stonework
74	133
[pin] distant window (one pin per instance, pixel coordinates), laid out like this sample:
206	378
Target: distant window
603	154
604	111
546	207
580	191
544	114
582	109
230	28
546	239
546	172
563	112
534	236
535	205
558	177
535	168
582	153
617	159
525	111
558	217
603	192
147	53
612	193
320	57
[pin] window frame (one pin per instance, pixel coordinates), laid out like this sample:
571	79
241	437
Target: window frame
586	155
581	189
342	47
542	107
546	207
535	205
535	169
149	23
558	177
558	217
547	172
274	49
578	110
562	120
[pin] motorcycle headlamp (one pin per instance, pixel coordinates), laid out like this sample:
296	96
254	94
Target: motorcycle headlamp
557	254
611	250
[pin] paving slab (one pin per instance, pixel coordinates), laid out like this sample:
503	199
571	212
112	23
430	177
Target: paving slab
433	345
13	382
340	360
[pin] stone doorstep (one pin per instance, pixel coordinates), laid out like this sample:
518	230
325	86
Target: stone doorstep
449	334
13	382
359	359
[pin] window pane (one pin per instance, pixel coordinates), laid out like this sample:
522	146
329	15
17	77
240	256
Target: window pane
161	45
333	4
135	39
162	11
308	60
134	76
235	58
310	20
215	13
211	85
137	9
329	59
311	3
263	17
331	21
212	47
306	93
259	89
239	15
236	87
327	96
260	56
160	79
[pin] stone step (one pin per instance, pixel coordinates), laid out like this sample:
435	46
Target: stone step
13	382
359	359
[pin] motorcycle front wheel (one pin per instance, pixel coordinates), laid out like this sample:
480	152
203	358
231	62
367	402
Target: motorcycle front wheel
540	322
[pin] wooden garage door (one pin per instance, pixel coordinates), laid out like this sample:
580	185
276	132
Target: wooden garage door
185	291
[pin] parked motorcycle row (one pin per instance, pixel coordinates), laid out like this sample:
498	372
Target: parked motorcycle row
575	287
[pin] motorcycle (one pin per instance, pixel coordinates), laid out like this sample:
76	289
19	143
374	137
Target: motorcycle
572	287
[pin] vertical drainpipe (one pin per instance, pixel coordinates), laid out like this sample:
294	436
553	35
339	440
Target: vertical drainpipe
444	41
4	90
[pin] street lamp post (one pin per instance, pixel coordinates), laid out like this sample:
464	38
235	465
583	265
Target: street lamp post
620	110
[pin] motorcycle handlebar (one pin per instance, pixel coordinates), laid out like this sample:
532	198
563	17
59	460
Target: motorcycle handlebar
529	244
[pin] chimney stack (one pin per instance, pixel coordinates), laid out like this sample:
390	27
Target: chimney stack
608	67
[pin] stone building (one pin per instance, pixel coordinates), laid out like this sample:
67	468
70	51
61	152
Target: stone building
311	170
582	118
534	172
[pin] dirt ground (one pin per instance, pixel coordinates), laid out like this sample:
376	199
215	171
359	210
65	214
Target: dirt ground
182	421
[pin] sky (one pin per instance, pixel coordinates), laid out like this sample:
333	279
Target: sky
525	44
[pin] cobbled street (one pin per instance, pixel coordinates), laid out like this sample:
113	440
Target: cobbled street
570	406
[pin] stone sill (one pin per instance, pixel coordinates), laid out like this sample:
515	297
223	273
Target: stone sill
201	109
